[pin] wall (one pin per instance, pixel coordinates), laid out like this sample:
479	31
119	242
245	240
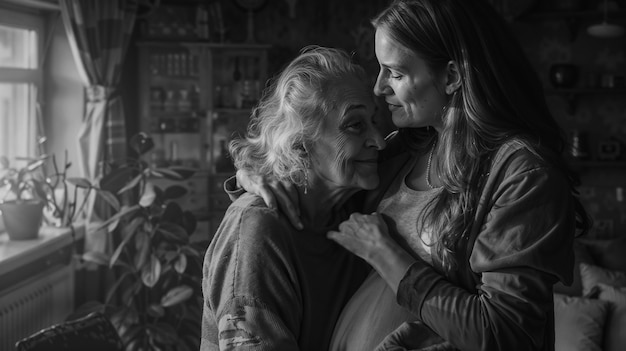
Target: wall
597	116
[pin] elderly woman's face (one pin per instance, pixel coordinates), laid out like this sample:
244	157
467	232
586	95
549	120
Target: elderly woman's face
347	153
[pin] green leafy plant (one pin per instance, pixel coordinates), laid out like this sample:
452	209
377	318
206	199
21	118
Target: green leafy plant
156	300
32	182
23	183
67	197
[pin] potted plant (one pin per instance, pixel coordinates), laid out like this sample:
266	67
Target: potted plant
156	299
23	197
28	191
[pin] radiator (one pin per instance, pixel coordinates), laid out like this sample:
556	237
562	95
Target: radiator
39	302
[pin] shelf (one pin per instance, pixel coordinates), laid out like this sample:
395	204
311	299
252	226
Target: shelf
580	15
572	94
572	19
597	164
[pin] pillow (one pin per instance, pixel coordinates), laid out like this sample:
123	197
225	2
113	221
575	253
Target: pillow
615	333
581	254
608	253
592	275
579	323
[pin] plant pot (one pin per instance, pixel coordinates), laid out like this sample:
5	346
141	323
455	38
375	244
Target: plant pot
22	219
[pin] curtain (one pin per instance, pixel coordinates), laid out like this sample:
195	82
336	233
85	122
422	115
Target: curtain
99	32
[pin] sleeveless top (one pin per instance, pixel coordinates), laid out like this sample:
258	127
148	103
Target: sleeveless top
372	312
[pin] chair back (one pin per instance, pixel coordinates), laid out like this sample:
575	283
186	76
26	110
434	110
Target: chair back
93	332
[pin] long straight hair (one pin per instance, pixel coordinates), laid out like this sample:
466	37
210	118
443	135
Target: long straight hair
500	99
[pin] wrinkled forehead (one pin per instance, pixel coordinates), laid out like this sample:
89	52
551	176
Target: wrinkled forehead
349	91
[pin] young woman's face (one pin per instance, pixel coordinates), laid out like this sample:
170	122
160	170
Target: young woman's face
346	155
415	97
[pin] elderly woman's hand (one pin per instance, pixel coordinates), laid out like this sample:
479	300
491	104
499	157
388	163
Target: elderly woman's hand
364	235
276	194
367	236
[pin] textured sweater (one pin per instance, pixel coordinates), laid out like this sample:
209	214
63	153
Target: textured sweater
268	286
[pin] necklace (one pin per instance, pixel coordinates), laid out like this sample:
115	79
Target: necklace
430	160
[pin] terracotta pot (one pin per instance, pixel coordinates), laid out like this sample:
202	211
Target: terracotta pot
22	219
563	75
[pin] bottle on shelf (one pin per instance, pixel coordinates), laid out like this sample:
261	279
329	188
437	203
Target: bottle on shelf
237	85
170	104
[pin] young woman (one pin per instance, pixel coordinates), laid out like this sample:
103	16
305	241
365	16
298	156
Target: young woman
267	286
476	211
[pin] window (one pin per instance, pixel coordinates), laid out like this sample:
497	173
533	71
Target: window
20	82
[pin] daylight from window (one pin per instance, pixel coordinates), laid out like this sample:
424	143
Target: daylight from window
18	72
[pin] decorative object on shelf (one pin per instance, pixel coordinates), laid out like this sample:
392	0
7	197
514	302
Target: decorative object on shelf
606	29
156	300
564	75
609	149
217	19
579	148
250	6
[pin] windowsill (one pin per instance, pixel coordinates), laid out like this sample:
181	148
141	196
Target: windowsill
16	254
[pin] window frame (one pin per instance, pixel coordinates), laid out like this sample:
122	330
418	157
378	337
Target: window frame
29	20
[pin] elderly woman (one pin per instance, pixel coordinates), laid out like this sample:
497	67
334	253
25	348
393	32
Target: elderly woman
266	285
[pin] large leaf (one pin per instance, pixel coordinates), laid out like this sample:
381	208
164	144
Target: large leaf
162	334
173	232
112	222
142	243
189	222
148	196
110	198
172	213
113	289
151	272
129	232
133	183
177	172
96	257
176	295
156	311
80	182
181	263
141	143
114	180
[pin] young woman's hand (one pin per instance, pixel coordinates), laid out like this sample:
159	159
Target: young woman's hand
276	194
367	236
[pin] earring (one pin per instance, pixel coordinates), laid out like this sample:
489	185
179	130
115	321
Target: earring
306	174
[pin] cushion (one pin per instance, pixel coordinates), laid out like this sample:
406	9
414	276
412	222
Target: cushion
607	253
579	323
615	332
581	254
592	275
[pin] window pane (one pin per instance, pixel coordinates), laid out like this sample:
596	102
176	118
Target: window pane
17	120
18	47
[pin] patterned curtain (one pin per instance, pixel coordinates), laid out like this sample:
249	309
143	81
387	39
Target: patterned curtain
99	32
